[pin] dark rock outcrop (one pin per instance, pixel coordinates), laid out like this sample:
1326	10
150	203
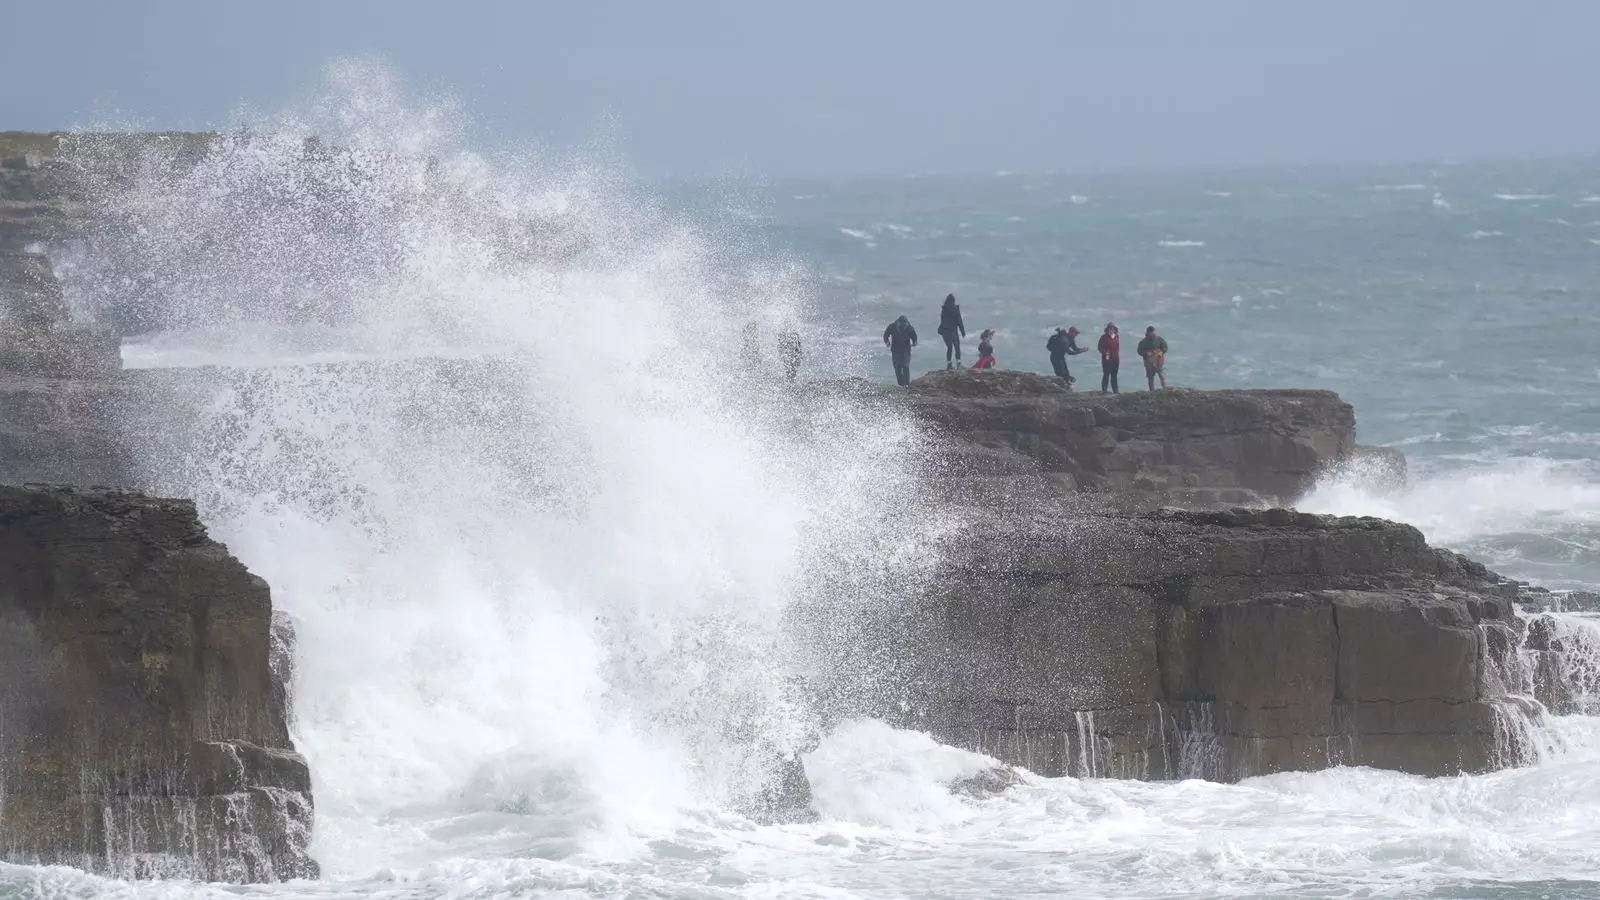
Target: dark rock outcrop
142	730
1237	445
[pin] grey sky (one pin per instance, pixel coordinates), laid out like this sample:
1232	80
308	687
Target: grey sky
835	86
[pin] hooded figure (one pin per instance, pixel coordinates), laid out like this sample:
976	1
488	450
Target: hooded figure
952	329
1062	344
900	337
1110	358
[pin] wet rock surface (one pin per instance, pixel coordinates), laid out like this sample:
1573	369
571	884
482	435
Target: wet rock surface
142	729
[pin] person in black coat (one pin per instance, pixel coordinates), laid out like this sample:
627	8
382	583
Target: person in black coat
900	337
952	329
1062	344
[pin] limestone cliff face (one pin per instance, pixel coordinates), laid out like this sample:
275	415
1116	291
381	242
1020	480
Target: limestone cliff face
1226	446
1215	645
142	729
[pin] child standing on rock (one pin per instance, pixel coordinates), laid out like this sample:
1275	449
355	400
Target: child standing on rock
985	350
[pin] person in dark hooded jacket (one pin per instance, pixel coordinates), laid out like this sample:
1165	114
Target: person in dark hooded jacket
900	337
1062	344
952	329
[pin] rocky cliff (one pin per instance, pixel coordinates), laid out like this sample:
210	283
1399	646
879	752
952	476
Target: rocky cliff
1206	447
1216	645
142	728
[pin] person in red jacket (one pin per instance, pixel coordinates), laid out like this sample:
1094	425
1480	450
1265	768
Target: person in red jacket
1110	358
985	349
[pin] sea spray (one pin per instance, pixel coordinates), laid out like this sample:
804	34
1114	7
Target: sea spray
554	557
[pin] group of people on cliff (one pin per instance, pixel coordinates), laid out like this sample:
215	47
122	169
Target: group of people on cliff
901	336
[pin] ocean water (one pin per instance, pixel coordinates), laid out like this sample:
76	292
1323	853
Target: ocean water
552	648
1452	305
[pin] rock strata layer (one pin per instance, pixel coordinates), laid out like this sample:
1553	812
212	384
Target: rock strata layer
1217	645
142	729
1216	446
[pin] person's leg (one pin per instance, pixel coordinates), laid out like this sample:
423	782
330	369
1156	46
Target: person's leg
1059	363
1162	374
949	348
1115	365
1150	377
902	368
1105	375
955	341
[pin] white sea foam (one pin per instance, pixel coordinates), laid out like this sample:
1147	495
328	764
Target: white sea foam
1517	197
1177	243
1385	188
1525	515
548	595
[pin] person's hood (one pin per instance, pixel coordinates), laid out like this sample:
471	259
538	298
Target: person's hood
902	321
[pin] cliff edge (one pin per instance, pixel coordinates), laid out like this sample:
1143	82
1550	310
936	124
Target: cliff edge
143	731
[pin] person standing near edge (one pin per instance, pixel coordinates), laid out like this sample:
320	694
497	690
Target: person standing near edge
1062	344
1110	358
1154	350
900	337
952	329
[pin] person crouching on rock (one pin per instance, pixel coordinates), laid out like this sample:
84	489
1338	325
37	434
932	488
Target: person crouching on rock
1154	350
952	329
900	337
985	350
1062	344
1110	358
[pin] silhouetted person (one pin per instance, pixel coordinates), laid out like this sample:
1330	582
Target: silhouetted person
789	351
1154	350
1110	358
985	350
952	329
750	348
900	337
1062	344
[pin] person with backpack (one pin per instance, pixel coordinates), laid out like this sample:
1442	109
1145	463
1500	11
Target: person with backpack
1110	358
952	329
1154	350
1062	344
900	337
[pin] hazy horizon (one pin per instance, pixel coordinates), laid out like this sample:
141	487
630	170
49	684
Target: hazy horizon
715	88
